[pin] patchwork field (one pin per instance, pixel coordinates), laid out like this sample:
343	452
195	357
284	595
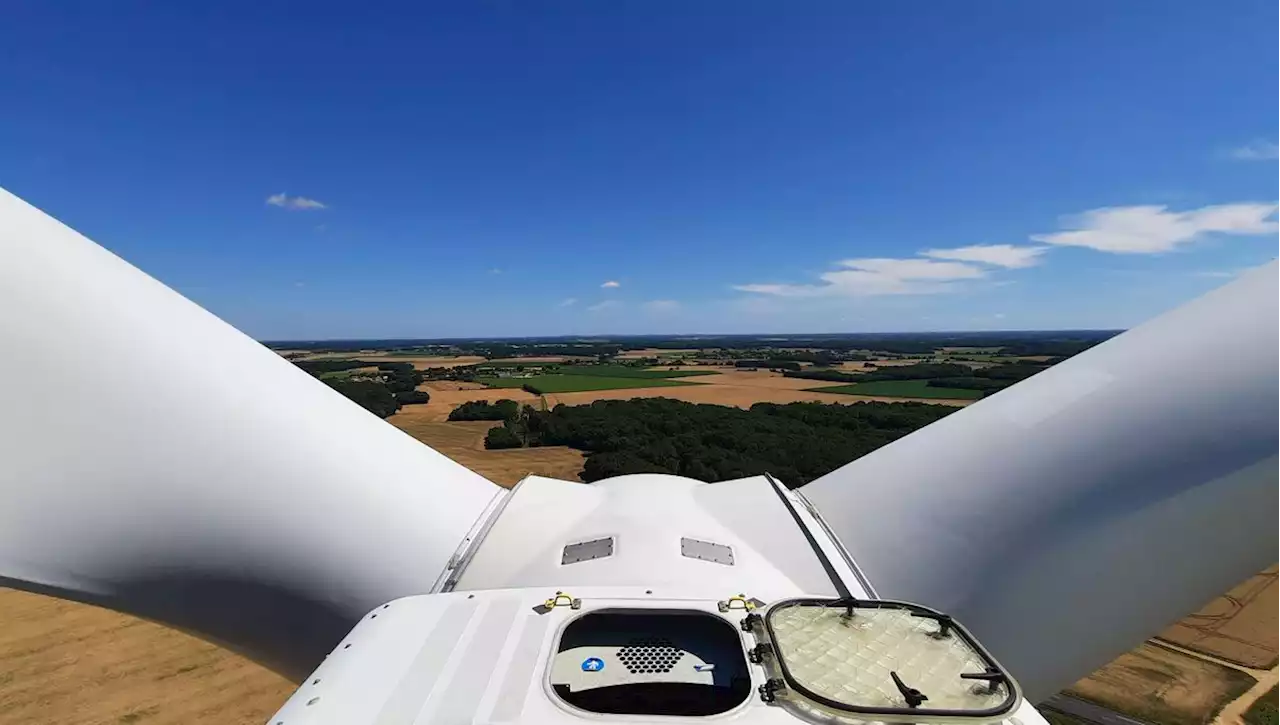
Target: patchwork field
740	396
559	383
658	352
1239	627
903	389
1162	686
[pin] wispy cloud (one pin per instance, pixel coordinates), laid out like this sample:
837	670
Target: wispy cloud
611	284
605	305
1215	274
495	270
872	277
662	306
295	203
997	255
568	302
1155	229
1256	150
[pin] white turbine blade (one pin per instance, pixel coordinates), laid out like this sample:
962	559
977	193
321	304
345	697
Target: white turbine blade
1072	516
156	461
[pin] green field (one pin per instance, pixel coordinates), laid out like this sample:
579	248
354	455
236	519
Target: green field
557	383
1263	712
625	371
506	382
901	389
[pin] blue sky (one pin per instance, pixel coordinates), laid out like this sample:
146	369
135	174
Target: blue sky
316	170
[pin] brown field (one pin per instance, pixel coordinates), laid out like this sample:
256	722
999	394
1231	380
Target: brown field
448	394
1238	627
75	664
1160	685
463	441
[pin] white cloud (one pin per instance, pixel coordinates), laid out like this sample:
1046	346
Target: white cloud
495	270
1256	150
1154	229
611	284
877	276
605	305
295	203
997	255
1215	274
662	306
568	302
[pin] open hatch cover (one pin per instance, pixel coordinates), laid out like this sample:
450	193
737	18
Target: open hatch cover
895	661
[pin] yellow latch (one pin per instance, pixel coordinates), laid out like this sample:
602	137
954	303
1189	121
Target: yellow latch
740	600
562	600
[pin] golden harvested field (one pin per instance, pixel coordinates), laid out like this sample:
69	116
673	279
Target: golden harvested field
463	441
1160	685
447	395
1239	627
74	664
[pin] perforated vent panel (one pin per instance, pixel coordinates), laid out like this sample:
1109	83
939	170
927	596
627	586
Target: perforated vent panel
649	654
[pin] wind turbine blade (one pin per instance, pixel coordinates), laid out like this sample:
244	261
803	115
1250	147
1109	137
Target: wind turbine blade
156	461
1070	517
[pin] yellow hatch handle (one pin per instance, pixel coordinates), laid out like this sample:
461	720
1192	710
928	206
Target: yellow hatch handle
562	600
739	601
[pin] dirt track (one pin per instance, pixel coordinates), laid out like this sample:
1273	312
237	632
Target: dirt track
1239	627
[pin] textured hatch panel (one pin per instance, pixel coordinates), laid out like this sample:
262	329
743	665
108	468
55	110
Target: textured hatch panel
849	660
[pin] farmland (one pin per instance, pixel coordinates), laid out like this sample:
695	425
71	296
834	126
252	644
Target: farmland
901	389
1159	685
578	378
1238	627
559	383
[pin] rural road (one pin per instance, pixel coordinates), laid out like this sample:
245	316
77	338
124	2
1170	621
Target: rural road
1091	712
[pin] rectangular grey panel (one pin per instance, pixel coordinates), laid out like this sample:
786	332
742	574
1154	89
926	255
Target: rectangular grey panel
706	551
587	550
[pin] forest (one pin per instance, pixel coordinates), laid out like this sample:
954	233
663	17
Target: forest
795	442
381	393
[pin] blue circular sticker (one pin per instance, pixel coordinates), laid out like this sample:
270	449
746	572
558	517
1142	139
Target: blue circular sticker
592	664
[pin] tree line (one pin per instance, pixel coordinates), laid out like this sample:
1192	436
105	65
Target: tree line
940	375
796	442
381	393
